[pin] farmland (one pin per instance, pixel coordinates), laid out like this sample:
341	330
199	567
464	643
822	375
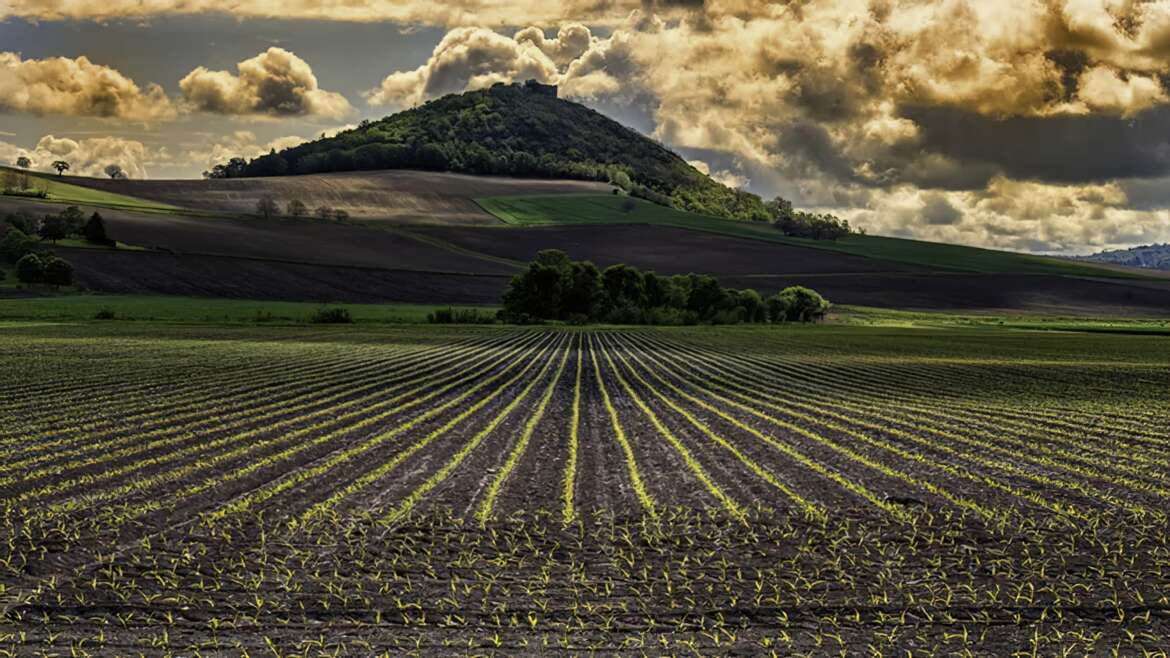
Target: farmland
366	490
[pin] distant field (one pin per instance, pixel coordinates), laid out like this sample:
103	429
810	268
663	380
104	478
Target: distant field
67	193
76	308
610	209
397	196
502	491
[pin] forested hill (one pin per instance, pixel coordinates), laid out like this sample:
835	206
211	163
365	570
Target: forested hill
1154	256
513	130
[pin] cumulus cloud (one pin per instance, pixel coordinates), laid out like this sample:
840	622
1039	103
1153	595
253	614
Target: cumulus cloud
273	83
467	58
1103	89
77	87
86	157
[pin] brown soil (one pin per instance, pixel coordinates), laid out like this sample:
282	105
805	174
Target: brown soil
664	249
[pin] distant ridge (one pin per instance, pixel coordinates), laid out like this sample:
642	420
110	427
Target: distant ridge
1153	257
520	130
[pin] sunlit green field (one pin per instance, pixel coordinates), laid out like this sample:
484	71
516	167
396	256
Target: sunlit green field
65	193
219	488
611	209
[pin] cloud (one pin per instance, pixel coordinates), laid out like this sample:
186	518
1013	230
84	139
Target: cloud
1021	216
448	13
79	88
274	83
86	157
1103	89
467	58
242	144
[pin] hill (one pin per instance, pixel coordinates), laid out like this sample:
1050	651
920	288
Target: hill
429	238
1154	256
512	130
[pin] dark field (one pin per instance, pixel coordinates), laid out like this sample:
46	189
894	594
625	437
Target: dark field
139	273
497	491
297	241
665	249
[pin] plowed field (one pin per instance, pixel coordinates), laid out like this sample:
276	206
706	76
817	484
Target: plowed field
191	490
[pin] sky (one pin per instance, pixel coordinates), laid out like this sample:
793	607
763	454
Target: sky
1030	125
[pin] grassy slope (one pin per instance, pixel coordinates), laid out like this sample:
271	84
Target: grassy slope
608	209
66	193
75	308
884	317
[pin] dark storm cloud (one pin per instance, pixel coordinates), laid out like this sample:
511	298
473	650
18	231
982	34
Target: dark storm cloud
1056	149
938	211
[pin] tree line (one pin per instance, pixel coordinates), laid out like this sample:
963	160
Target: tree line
556	288
23	239
268	207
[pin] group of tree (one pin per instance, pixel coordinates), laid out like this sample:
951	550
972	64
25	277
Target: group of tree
17	182
510	131
22	235
554	287
267	208
799	224
34	268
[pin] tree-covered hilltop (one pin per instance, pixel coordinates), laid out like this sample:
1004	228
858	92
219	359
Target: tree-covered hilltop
510	130
1152	256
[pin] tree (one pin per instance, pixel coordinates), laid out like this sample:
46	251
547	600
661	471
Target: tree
340	215
799	304
15	245
95	230
115	172
266	207
74	220
58	272
53	228
30	269
61	166
297	208
753	306
325	212
24	163
233	169
23	220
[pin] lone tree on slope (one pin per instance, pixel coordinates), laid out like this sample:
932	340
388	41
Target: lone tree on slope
266	207
61	166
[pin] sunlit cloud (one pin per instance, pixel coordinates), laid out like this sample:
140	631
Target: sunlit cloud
77	87
274	83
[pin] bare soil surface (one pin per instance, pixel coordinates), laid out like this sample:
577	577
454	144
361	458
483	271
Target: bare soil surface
244	278
203	546
664	249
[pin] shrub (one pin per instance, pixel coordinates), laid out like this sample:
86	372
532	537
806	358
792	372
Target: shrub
25	222
331	316
16	245
460	316
104	314
799	304
30	269
58	272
